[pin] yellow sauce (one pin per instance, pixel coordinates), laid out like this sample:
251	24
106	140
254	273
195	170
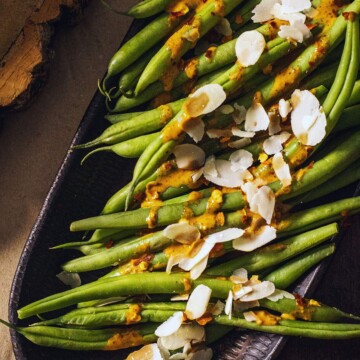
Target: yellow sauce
123	340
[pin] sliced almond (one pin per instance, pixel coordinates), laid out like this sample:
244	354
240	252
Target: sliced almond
147	352
249	47
262	11
224	235
250	316
284	108
256	118
210	166
218	133
280	294
226	109
199	268
273	144
308	120
240	113
205	100
189	156
198	302
291	6
241	273
239	144
263	203
197	175
188	263
195	129
218	308
282	169
70	279
259	291
171	325
254	241
224	27
241	160
244	290
243	134
229	304
182	233
185	334
181	297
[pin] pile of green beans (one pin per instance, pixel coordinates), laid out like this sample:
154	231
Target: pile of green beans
128	242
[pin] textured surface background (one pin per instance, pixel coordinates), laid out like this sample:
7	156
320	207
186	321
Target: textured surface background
33	145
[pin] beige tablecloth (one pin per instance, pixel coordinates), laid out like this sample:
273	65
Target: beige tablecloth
33	144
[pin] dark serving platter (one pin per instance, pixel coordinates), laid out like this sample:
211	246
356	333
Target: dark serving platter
79	192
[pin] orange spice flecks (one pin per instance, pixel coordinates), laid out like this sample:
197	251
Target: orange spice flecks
215	201
206	222
123	340
187	284
151	220
265	318
133	314
327	12
167	79
184	6
162	99
191	68
210	53
166	113
205	319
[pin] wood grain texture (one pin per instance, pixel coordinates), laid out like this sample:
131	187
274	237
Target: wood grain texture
24	68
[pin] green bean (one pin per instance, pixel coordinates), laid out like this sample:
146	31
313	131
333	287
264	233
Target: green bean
165	214
133	284
147	8
319	215
349	119
327	167
287	274
348	176
97	317
355	95
116	118
304	64
132	148
245	14
139	44
310	330
324	76
146	122
82	339
305	310
203	21
270	255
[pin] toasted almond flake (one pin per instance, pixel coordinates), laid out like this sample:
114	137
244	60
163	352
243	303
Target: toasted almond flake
242	292
178	356
173	261
223	27
240	113
241	160
226	109
291	6
242	306
182	233
239	144
226	176
262	11
282	169
224	235
298	32
202	354
240	133
195	129
215	97
218	133
273	144
198	302
188	263
308	120
210	167
218	308
147	352
241	273
249	47
197	175
229	304
71	279
251	242
171	325
250	189
263	203
278	12
280	294
250	316
199	268
259	291
189	156
165	353
181	297
284	108
311	13
256	118
274	125
185	334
